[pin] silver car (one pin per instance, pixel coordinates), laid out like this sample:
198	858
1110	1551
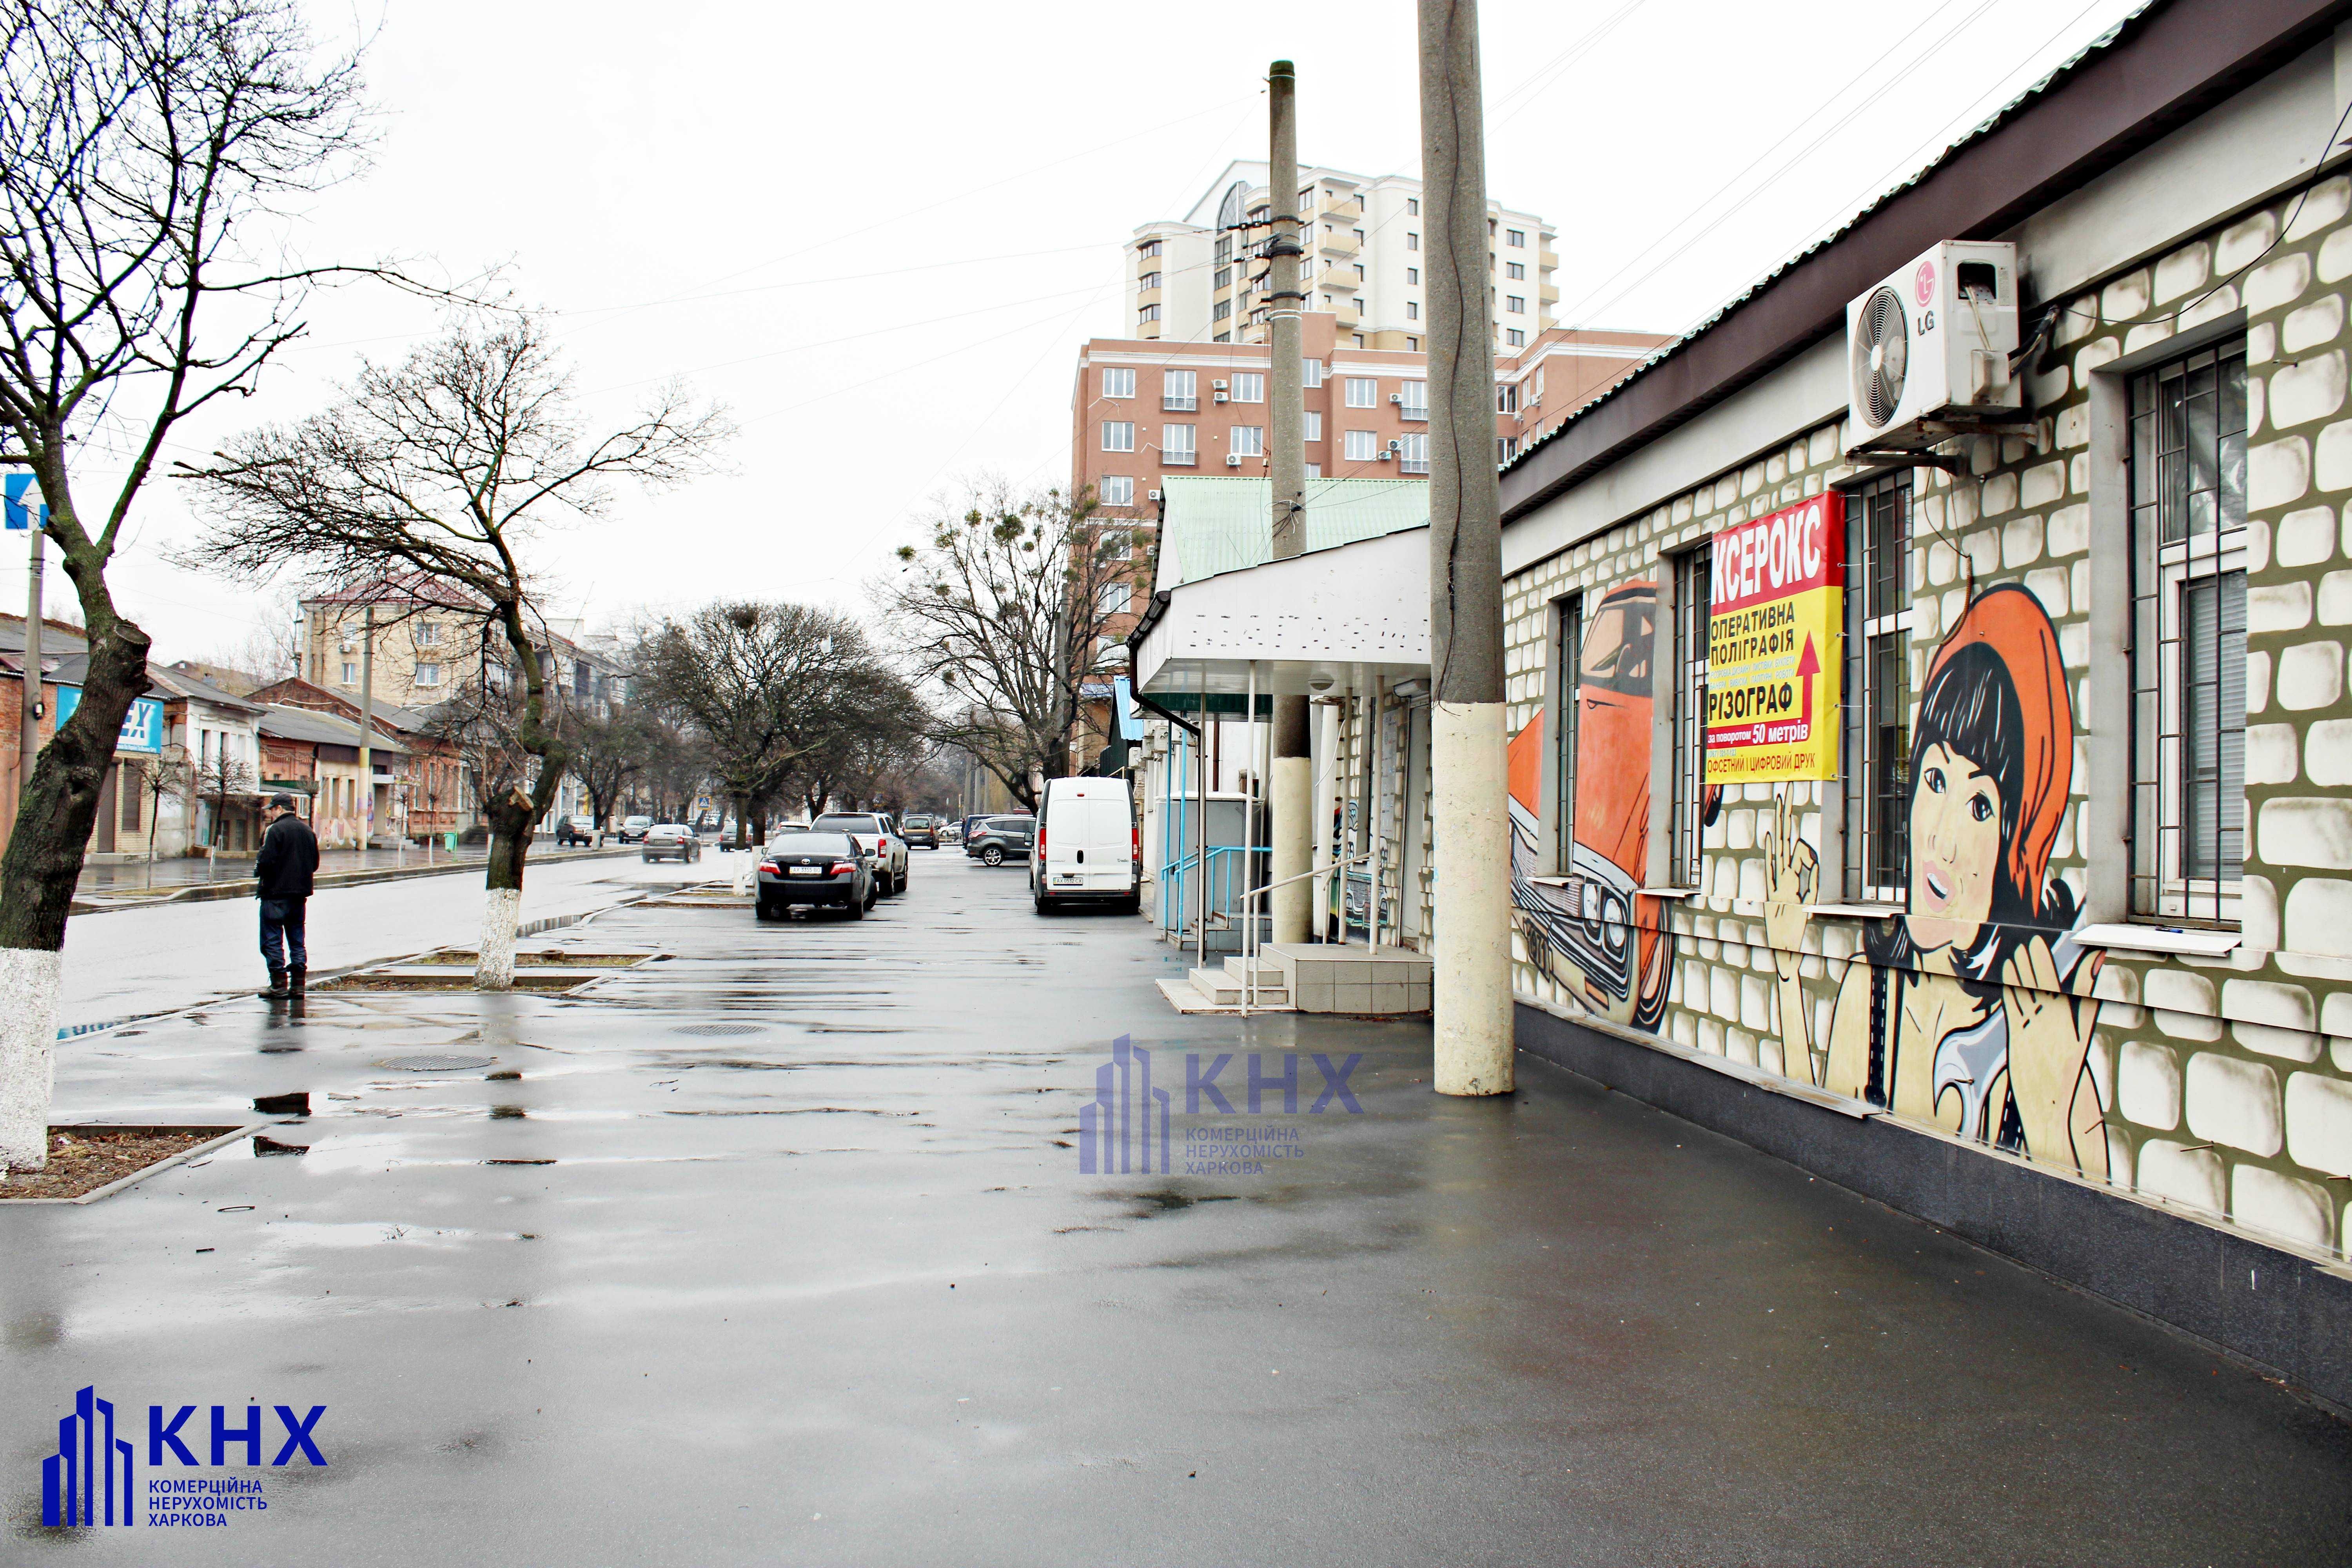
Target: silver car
875	827
665	840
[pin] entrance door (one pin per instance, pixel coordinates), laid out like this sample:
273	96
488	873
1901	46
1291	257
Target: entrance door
106	792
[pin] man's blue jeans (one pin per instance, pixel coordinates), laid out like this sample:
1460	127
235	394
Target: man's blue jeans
281	933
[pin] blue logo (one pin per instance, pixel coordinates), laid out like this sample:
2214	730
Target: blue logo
71	1489
1108	1139
1124	1130
90	1481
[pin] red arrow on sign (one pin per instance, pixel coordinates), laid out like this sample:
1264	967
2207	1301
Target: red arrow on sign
1809	664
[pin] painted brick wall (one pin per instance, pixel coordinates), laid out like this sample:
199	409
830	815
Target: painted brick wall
2223	1085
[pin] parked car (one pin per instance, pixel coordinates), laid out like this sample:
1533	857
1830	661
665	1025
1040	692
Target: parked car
575	830
876	825
665	839
950	834
633	829
997	839
814	868
920	832
1089	847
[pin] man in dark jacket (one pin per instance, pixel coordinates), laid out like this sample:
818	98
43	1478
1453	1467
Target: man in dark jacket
282	877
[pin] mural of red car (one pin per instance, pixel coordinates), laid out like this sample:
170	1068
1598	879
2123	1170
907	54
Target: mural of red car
1592	932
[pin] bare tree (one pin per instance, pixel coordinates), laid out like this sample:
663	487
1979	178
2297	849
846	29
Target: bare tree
167	777
145	147
447	467
766	685
606	754
220	777
271	648
1005	607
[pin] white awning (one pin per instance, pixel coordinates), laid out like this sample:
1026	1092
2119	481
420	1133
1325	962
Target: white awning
1307	623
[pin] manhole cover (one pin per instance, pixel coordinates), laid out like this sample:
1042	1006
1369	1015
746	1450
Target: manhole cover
434	1064
717	1029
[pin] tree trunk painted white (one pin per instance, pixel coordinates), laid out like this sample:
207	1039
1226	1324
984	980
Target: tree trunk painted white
502	915
1471	978
30	981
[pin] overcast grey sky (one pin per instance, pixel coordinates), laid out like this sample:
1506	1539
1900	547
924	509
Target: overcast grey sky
876	234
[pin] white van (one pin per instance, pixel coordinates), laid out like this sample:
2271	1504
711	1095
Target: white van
1089	847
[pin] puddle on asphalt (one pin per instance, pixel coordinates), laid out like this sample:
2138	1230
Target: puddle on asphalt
1151	1205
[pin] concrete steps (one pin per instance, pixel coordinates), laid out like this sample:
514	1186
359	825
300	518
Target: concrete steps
1328	978
1226	987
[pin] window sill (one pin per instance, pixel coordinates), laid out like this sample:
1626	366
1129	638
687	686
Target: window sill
1859	912
2189	942
1667	893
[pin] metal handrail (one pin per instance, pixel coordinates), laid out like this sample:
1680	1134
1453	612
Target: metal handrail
1176	870
1249	925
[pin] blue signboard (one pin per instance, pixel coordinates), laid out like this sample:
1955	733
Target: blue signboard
16	511
142	727
1131	723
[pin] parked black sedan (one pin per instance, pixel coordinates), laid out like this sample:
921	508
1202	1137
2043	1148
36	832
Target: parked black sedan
814	868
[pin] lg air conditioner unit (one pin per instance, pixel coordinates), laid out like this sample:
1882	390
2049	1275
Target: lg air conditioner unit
1232	459
1396	397
1216	387
1151	494
1219	396
1928	351
1396	446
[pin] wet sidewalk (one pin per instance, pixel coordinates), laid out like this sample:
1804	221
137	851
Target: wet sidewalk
778	1249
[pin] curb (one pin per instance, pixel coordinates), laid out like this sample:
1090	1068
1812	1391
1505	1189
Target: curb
243	887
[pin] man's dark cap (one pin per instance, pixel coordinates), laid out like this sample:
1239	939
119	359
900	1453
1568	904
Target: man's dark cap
282	801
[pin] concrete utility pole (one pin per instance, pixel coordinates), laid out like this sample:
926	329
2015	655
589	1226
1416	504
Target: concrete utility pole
1468	761
1293	773
28	741
367	728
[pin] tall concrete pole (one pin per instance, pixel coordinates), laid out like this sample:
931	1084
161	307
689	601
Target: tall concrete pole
1469	778
1293	773
367	730
29	739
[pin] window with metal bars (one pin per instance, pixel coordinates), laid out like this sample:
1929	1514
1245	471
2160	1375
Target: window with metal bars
1692	587
1571	644
1875	706
2188	809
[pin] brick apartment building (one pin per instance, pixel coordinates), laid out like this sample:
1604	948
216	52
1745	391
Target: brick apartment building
1142	410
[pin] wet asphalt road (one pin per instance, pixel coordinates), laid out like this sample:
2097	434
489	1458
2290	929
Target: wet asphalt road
830	1287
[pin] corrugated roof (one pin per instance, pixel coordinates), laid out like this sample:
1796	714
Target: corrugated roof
2000	117
1214	525
182	683
308	725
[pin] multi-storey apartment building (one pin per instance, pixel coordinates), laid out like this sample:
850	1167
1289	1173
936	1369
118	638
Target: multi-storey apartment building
1142	410
429	646
1201	278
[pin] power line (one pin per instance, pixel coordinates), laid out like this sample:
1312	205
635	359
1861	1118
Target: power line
1889	85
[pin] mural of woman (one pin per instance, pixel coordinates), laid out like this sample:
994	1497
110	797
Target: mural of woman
1972	1010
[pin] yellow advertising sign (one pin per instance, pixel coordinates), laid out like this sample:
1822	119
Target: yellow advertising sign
1775	635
